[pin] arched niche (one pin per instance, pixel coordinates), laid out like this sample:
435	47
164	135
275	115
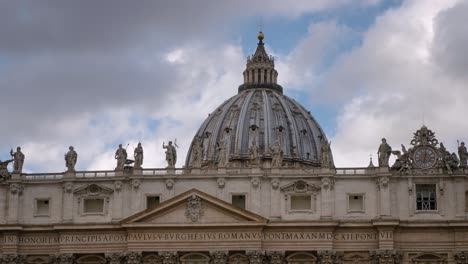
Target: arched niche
238	258
429	258
356	258
195	258
301	258
91	259
37	260
152	259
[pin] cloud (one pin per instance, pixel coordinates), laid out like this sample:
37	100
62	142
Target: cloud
395	82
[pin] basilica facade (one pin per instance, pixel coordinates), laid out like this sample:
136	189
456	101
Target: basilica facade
259	186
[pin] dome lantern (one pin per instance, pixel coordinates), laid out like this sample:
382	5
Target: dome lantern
260	69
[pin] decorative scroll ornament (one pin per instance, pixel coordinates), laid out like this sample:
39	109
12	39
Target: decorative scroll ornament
169	257
276	257
386	257
133	258
329	257
194	209
256	257
461	257
424	136
63	259
219	257
114	258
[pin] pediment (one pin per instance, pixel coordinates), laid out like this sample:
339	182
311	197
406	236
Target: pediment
93	189
194	208
300	187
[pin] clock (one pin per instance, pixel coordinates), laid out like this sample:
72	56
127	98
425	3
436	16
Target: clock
425	157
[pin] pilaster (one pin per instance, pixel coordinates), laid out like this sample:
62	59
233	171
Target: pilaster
15	191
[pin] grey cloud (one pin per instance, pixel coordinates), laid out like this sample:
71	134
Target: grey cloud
451	41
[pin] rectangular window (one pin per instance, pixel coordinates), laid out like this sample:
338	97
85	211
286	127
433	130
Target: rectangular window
152	202
93	206
238	200
356	203
42	207
301	202
426	197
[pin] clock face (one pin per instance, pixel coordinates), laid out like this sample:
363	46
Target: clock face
425	157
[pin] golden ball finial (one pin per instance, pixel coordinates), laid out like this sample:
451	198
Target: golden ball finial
260	36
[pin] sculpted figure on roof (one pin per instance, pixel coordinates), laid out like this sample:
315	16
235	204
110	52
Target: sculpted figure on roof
70	159
121	157
138	155
171	154
18	158
384	153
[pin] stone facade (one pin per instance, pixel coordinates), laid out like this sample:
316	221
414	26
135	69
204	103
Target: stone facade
243	210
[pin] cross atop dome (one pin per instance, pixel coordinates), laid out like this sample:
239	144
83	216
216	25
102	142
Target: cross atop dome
260	70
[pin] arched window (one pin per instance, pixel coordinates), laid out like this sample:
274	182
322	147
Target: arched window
37	260
301	258
429	258
238	258
356	258
91	259
195	258
152	259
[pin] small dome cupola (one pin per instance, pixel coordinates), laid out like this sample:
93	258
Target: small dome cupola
260	70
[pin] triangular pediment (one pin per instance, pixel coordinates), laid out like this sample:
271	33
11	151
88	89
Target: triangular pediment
194	208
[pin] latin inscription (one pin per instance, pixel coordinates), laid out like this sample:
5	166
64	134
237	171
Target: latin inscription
195	236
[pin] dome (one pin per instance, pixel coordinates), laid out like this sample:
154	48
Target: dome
255	121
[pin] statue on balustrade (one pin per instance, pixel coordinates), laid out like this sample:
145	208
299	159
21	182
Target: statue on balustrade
383	153
403	162
448	161
70	159
18	158
4	173
326	158
121	157
253	154
276	155
197	152
138	155
463	154
222	154
171	154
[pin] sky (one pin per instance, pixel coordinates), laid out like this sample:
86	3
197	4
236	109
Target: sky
95	74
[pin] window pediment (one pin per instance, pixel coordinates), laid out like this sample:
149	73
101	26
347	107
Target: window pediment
93	190
300	187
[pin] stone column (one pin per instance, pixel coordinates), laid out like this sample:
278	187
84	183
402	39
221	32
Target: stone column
219	257
135	195
133	257
15	191
114	258
275	257
330	257
255	193
386	257
461	257
67	202
169	257
117	201
382	185
255	257
275	198
327	203
460	197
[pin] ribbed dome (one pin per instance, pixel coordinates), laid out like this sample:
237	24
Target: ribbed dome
260	116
